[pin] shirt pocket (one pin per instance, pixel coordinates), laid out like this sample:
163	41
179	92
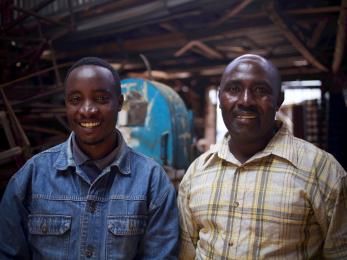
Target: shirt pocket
124	235
47	233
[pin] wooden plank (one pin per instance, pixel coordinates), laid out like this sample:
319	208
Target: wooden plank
298	11
233	12
21	18
8	154
202	49
13	118
55	65
35	14
285	29
340	37
317	33
40	72
44	130
7	128
163	41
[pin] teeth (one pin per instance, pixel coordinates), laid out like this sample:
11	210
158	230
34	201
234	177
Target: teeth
90	125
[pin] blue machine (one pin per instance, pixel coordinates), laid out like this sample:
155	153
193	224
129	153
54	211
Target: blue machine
155	121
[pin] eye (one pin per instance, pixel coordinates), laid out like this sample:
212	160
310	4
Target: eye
102	99
233	88
74	99
262	89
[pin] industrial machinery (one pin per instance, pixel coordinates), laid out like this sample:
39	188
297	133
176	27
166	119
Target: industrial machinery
155	122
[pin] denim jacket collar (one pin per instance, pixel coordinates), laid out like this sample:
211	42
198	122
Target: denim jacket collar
66	160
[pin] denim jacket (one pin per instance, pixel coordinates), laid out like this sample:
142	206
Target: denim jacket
50	210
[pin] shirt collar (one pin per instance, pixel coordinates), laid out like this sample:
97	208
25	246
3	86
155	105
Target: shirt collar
122	160
281	145
80	157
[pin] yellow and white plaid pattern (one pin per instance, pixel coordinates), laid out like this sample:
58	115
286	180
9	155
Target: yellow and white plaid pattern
287	202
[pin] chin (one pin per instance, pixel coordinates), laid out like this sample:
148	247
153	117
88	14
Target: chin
89	141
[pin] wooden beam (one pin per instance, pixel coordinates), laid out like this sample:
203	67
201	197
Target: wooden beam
315	10
35	14
237	9
40	72
8	154
284	28
301	11
45	130
184	49
317	33
164	41
340	37
7	128
168	26
299	71
57	90
211	53
25	144
202	49
22	17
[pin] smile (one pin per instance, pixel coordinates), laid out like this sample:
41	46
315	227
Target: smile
90	124
246	116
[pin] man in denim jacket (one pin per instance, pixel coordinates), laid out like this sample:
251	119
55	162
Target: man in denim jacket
91	197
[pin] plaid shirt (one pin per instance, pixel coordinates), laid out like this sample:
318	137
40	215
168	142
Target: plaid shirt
288	201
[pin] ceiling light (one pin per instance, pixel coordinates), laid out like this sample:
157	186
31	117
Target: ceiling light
300	63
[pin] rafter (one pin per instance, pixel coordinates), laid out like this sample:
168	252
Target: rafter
35	14
237	9
317	33
22	17
285	29
340	37
202	48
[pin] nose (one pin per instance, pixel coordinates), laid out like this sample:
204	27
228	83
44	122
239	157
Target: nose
246	98
88	107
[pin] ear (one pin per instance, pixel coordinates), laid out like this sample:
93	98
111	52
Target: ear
120	102
280	99
218	94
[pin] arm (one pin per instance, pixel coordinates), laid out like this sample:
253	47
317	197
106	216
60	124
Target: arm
13	242
161	238
335	245
189	229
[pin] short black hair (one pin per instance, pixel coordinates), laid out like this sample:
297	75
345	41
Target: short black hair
98	62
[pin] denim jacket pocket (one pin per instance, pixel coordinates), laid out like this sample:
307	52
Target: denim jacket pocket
125	233
48	231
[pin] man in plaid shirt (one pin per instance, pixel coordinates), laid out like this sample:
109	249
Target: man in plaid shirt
261	193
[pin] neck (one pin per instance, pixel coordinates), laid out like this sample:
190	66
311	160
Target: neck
98	151
243	150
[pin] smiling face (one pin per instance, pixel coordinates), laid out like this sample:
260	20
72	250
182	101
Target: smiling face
249	97
92	106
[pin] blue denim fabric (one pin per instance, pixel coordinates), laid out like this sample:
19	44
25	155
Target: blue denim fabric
50	210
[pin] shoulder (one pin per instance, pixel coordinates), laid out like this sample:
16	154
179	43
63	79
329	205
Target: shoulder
36	167
139	158
321	167
312	158
150	174
144	167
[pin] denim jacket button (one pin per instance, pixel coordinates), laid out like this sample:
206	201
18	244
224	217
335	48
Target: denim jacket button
44	228
89	251
92	206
